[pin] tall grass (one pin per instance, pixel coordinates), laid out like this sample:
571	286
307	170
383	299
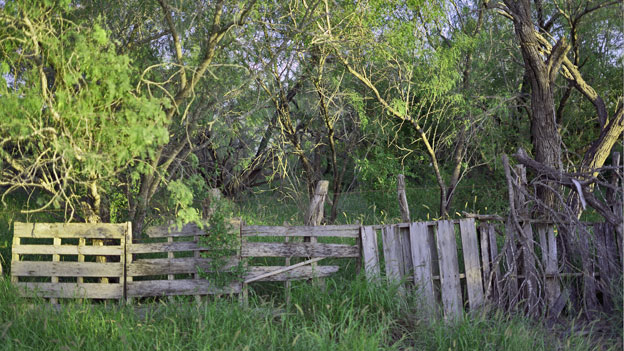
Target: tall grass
344	315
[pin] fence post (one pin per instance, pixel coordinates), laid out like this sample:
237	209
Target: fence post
314	215
403	235
403	206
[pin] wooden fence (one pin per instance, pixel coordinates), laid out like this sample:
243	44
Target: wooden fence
65	260
104	261
453	264
430	255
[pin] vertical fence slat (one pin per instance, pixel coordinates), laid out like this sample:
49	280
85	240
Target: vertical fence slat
405	260
470	247
449	269
496	275
370	252
55	258
528	267
485	258
421	258
391	253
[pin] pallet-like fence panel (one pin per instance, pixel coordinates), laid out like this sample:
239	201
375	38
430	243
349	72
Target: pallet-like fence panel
175	274
48	260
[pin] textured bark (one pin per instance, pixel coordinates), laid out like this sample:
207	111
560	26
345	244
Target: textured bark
541	75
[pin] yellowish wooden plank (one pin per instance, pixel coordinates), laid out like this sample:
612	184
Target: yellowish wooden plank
66	269
72	290
80	250
70	230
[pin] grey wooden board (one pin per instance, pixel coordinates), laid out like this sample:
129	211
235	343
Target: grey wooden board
69	230
449	270
347	231
496	287
71	290
306	272
292	249
486	263
511	259
178	287
161	266
68	250
548	246
406	264
470	249
190	229
66	269
421	258
176	246
392	253
529	268
370	251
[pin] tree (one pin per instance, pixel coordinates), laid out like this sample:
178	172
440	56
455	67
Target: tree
543	61
71	119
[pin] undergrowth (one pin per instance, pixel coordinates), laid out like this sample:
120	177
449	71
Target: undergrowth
342	315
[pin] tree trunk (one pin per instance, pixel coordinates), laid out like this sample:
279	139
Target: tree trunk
541	75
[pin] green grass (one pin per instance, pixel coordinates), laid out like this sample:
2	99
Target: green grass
345	315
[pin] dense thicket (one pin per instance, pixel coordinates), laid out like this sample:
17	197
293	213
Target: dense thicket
115	110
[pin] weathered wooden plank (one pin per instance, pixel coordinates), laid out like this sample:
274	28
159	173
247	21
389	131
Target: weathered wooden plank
470	247
68	250
291	249
178	287
548	244
190	229
70	230
392	252
606	262
345	231
71	290
496	277
66	269
170	266
177	246
405	263
528	268
168	231
511	259
370	252
589	283
485	258
284	269
421	258
449	270
306	272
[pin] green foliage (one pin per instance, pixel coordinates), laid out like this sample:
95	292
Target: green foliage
222	243
68	109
